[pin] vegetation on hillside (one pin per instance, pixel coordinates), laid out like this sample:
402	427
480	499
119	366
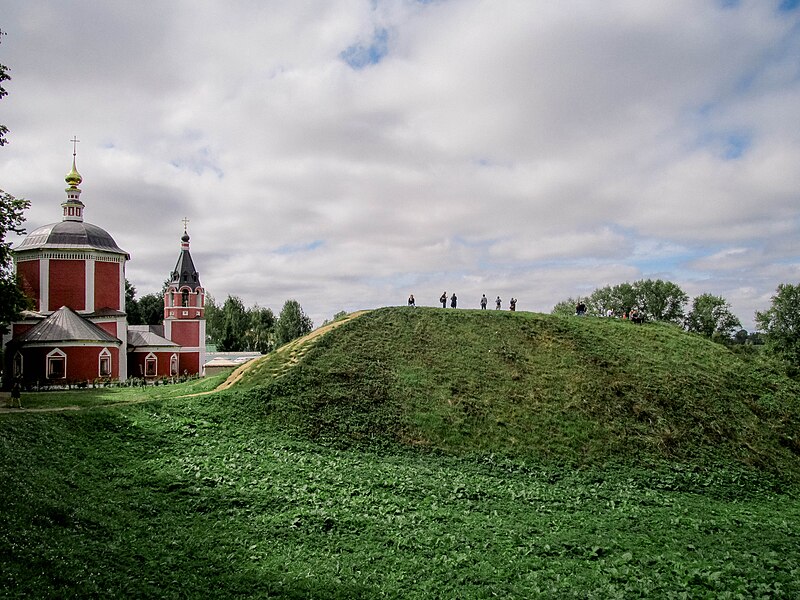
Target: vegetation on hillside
204	498
564	389
448	469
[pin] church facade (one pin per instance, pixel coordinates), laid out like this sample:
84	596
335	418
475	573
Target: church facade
77	329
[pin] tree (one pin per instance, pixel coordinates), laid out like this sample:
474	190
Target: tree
566	308
132	305
711	316
151	309
292	323
660	300
215	321
234	328
619	298
781	323
260	329
12	299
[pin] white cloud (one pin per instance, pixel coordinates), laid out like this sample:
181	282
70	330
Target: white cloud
524	147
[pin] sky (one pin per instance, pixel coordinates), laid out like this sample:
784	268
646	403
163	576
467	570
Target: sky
347	153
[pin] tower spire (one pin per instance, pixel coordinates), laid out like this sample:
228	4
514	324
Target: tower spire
73	207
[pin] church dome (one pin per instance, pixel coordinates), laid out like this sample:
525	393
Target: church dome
73	235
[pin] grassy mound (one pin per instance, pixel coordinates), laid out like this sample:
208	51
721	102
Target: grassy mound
534	386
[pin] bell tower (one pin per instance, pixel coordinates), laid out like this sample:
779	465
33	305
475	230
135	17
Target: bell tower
184	310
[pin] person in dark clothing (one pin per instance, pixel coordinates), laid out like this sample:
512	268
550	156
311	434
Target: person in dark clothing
443	299
411	301
453	301
512	305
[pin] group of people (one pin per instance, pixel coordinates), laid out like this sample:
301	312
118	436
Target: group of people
512	304
634	314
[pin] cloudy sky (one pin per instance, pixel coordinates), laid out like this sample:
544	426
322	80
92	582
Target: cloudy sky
346	153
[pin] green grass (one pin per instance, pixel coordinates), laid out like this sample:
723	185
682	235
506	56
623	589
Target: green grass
105	396
398	475
576	391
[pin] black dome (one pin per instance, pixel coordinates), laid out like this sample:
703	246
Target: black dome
72	235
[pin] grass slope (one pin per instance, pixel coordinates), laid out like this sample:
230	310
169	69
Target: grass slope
197	498
529	385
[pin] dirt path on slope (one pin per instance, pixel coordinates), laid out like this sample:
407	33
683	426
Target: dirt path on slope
292	347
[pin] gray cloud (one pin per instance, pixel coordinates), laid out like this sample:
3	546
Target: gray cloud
524	148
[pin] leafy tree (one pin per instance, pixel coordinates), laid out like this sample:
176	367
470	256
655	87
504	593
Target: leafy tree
566	308
132	305
292	323
619	298
781	323
151	309
260	330
234	325
12	299
660	300
215	322
711	316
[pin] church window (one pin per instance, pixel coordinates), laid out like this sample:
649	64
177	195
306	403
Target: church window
150	365
105	363
173	365
56	365
18	364
185	298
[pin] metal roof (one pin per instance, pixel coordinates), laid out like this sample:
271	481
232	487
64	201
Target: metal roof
65	325
73	235
185	274
140	336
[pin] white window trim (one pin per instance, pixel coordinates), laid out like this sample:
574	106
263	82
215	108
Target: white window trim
151	357
18	364
54	354
173	360
104	353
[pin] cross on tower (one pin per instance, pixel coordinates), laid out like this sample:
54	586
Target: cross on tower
74	141
185	223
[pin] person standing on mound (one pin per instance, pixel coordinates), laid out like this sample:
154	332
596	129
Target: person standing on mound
484	302
453	301
497	303
443	299
411	301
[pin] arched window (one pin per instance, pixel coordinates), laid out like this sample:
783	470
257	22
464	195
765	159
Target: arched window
56	364
18	364
173	365
150	365
185	298
104	367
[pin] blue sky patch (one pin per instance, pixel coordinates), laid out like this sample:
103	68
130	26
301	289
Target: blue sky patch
297	248
359	56
788	5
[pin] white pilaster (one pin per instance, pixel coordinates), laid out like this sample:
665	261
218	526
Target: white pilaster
89	303
44	285
122	287
122	334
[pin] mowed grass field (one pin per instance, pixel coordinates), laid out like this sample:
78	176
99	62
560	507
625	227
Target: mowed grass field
260	491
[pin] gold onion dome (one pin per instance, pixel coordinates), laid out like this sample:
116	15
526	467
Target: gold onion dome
73	178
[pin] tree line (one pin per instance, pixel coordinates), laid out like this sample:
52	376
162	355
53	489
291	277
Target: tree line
231	327
709	315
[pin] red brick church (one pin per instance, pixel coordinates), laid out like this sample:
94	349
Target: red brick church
77	330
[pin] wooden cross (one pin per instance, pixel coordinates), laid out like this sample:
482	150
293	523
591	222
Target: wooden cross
74	141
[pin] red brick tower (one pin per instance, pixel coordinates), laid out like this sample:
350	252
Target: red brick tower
74	273
184	311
